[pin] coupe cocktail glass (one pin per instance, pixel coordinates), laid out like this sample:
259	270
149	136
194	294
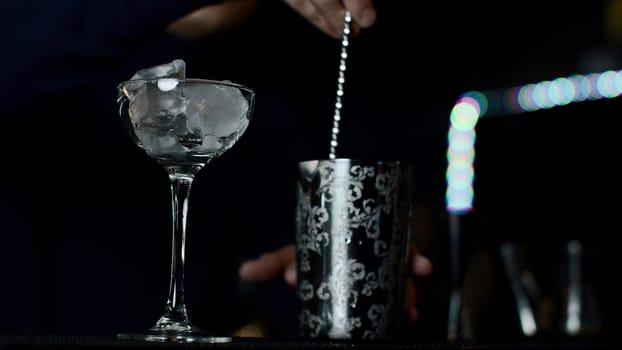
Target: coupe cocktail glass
183	124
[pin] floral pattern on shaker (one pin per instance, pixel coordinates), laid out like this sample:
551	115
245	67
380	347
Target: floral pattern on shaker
357	213
312	322
305	290
378	317
313	239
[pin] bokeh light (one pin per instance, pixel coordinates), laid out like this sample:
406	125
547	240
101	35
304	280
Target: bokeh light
465	113
472	106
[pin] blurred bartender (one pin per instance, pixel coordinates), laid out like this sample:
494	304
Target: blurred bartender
84	244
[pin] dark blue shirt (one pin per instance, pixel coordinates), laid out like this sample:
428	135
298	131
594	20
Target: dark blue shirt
62	44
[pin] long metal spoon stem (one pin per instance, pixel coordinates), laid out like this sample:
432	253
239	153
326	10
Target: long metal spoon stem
340	83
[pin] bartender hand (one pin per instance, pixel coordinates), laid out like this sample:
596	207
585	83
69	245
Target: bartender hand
282	262
327	15
213	19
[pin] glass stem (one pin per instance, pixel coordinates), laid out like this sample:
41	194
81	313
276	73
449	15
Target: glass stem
175	315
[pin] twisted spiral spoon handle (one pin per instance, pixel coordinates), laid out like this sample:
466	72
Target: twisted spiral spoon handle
340	83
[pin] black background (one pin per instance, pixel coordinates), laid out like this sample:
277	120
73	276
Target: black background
86	219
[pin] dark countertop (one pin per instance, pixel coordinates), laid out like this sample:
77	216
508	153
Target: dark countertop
97	342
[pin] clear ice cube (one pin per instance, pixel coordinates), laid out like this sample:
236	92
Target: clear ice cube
216	110
173	118
173	69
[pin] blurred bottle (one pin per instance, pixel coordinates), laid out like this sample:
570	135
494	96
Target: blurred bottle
580	312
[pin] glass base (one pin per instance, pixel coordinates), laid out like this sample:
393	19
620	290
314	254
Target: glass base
194	336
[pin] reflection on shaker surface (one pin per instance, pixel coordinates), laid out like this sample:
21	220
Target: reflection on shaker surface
352	239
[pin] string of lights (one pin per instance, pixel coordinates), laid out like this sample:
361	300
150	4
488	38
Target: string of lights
473	105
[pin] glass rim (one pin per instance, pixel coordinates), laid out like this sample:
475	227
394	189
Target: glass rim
189	80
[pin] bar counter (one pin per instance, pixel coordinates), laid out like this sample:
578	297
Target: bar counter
10	342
